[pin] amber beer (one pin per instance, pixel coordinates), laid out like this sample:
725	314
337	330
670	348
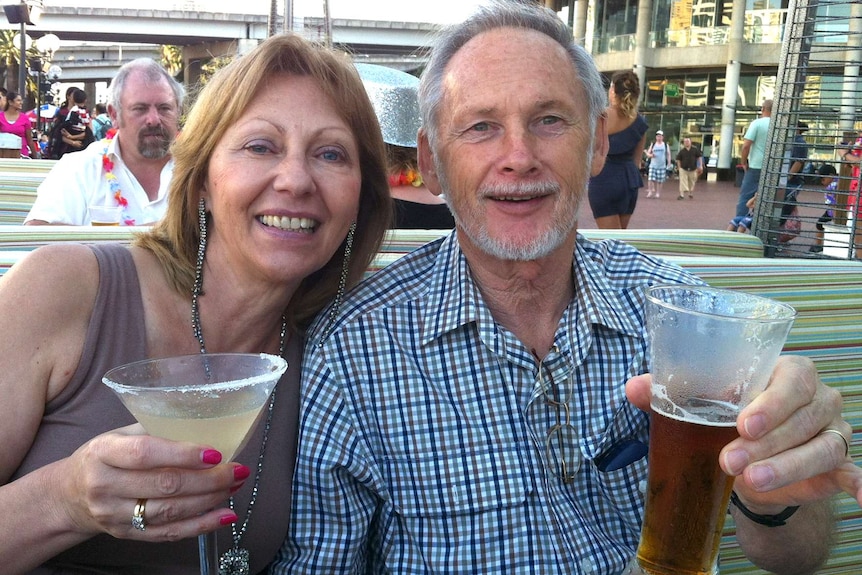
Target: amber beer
95	223
687	493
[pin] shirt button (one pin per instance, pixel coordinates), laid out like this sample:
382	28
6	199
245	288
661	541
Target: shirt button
642	486
587	565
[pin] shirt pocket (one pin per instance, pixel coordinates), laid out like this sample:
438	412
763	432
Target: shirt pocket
618	493
466	482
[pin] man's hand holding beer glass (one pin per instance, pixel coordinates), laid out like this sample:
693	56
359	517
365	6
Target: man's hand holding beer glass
791	451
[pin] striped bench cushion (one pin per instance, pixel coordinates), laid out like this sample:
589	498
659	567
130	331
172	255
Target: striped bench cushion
657	242
399	242
26	238
19	179
17	240
25	165
15	204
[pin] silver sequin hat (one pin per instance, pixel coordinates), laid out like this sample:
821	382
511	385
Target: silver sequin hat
394	95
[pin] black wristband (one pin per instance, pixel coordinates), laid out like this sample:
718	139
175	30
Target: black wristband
768	520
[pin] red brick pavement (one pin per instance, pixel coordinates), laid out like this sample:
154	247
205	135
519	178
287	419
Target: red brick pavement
712	207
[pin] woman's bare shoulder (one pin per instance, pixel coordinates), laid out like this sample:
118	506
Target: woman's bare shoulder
53	273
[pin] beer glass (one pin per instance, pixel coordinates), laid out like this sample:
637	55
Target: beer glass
105	215
712	351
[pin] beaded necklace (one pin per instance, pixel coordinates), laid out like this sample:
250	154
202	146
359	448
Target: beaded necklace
111	178
235	561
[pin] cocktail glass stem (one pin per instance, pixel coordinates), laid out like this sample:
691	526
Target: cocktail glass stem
208	550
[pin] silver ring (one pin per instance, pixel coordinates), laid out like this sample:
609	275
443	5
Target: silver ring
138	515
841	435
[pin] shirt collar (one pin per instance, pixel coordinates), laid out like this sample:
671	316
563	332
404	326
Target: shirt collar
455	300
113	148
601	299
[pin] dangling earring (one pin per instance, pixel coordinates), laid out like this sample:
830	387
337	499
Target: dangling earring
342	284
197	290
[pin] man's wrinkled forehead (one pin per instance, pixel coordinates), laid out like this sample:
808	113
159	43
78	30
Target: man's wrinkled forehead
488	58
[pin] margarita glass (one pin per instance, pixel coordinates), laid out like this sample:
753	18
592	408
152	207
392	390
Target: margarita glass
216	399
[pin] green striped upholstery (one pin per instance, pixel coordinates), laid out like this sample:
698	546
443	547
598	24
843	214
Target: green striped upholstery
25	165
685	242
19	179
13	237
657	242
398	242
17	240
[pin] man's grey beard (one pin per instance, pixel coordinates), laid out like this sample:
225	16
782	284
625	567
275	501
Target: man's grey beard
157	150
499	247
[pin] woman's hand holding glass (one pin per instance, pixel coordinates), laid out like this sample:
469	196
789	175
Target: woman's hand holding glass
185	488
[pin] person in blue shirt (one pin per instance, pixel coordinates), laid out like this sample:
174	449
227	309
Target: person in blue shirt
751	156
462	411
795	165
101	122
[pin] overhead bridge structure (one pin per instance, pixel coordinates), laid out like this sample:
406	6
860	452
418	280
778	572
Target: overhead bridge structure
112	36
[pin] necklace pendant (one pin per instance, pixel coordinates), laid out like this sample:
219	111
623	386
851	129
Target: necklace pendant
234	562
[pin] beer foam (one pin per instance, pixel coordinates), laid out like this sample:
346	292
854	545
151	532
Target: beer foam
702	411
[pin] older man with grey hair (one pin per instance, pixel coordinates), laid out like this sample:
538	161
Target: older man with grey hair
129	170
465	411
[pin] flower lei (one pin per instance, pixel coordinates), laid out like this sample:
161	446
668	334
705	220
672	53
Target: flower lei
410	177
113	182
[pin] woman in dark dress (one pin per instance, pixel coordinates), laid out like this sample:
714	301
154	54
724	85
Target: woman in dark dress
613	193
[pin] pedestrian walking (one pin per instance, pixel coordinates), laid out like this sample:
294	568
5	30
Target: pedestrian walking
689	160
660	163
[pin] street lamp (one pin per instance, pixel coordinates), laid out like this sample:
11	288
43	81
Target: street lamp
23	14
47	45
25	42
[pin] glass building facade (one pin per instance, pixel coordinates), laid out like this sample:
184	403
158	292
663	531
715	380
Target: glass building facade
686	61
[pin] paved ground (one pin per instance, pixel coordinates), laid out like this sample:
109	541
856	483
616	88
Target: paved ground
713	206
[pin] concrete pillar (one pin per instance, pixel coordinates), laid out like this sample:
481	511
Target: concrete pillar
580	21
642	43
731	88
90	89
288	15
245	45
191	70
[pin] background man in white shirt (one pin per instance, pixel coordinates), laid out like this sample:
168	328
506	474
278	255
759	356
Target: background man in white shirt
131	170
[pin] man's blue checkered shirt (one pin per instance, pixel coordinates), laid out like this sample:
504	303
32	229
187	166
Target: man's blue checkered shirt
423	430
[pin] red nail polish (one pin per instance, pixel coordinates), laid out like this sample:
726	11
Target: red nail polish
228	519
241	472
211	456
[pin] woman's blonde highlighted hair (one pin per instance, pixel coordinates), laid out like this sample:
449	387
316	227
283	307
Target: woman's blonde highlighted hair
174	239
627	87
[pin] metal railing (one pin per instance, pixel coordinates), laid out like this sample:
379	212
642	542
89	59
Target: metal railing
818	84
